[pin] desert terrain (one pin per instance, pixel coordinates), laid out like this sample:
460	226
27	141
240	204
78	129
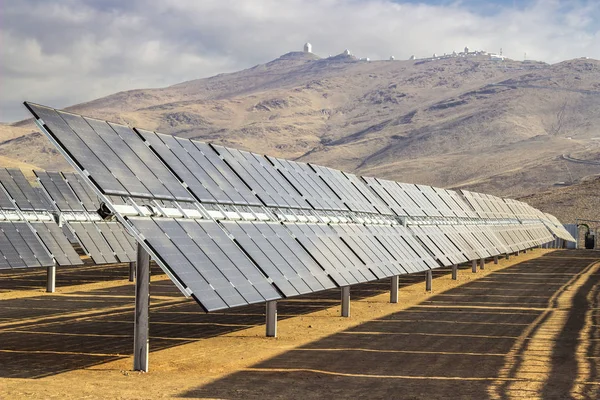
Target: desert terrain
509	128
521	329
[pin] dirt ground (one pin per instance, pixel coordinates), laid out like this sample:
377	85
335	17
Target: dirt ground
525	328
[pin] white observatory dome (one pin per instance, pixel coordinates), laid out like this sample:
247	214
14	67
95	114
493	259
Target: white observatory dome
392	58
347	52
307	47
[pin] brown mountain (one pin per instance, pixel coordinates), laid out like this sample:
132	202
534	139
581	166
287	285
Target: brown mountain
509	128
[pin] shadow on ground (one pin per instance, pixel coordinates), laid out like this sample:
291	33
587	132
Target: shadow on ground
452	346
54	333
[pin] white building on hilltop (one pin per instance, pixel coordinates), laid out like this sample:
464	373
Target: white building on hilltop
307	47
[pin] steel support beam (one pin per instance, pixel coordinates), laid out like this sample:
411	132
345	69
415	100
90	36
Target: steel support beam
428	280
271	311
495	259
507	256
454	272
482	264
345	301
474	266
131	271
51	279
142	306
395	281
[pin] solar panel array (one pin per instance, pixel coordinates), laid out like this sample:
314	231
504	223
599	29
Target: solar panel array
232	227
77	205
29	235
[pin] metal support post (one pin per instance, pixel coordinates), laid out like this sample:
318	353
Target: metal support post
142	305
482	264
524	251
272	318
51	279
474	266
131	271
495	259
507	256
517	253
345	301
454	272
428	280
394	289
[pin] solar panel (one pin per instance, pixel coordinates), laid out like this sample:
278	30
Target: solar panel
93	243
120	252
259	175
83	192
219	172
194	249
33	197
21	247
55	240
306	182
14	191
53	185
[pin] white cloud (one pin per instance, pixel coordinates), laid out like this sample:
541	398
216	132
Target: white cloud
69	51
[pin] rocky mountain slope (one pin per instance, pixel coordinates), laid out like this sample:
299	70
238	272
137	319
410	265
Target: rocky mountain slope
502	127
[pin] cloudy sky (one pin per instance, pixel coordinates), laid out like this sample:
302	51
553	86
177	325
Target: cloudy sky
63	52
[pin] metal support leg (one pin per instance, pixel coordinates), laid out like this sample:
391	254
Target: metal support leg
142	305
131	271
428	280
394	289
455	272
495	259
474	266
482	264
272	318
507	256
345	301
524	251
51	279
517	253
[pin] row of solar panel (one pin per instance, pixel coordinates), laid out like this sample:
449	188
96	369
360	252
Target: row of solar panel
230	263
120	164
39	243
